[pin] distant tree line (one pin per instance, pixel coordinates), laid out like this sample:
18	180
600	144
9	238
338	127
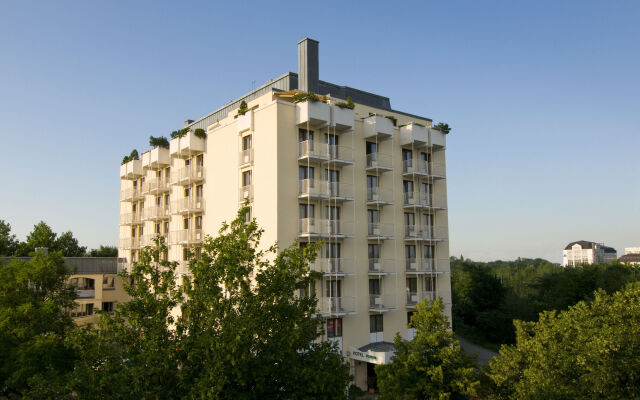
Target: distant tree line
488	297
43	236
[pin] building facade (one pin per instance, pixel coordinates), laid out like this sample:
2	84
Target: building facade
369	182
584	252
631	256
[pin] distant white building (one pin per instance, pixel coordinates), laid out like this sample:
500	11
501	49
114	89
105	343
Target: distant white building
631	256
584	252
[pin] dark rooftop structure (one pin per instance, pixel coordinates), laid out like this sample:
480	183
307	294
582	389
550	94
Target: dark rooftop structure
85	265
585	244
307	80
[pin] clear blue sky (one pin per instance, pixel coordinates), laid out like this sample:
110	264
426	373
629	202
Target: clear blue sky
543	98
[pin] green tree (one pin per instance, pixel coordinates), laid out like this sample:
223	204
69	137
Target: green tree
442	127
592	350
69	245
8	242
104	251
41	236
33	325
134	353
250	335
432	365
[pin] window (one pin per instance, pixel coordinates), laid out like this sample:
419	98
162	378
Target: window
185	223
133	232
200	160
158	201
307	211
166	200
187	162
166	227
374	286
246	142
409	316
157	228
425	157
90	309
332	213
167	173
371	148
134	207
372	182
305	173
135	185
331	140
428	251
332	250
185	254
159	174
304	135
375	323
108	282
246	178
374	251
333	288
409	220
141	231
199	222
334	327
331	175
412	285
187	192
430	284
407	157
373	217
107	306
247	216
410	252
407	186
427	220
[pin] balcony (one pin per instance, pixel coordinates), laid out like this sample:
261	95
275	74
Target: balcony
314	114
378	231
129	243
186	146
379	127
437	139
324	228
334	266
188	175
156	213
414	298
156	158
245	193
131	194
414	199
337	156
245	122
341	118
130	219
310	189
186	236
412	232
188	205
86	293
339	192
155	185
421	266
415	135
416	169
437	202
245	158
377	163
381	302
435	233
131	170
437	171
337	306
379	197
380	267
148	240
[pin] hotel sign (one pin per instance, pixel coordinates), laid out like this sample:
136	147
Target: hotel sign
373	357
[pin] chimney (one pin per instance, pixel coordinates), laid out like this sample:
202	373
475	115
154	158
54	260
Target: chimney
188	122
308	68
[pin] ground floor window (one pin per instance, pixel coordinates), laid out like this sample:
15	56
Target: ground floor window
375	323
107	306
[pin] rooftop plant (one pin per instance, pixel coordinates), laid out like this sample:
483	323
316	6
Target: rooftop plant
159	141
199	132
132	156
305	96
348	104
442	127
179	134
243	108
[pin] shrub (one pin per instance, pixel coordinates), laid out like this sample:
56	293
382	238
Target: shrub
132	156
200	133
243	108
159	141
348	104
179	134
442	127
393	119
305	96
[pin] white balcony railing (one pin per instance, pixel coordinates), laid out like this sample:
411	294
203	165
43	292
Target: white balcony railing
413	298
337	305
380	266
245	157
148	240
86	293
379	162
129	243
131	170
156	158
382	302
186	146
380	231
415	135
320	227
311	188
186	236
157	212
379	196
188	205
245	193
155	185
130	218
312	114
130	194
378	126
436	233
426	266
334	266
188	175
341	118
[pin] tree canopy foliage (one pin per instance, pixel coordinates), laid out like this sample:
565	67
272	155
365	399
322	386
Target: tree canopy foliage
591	350
8	241
104	251
432	365
43	236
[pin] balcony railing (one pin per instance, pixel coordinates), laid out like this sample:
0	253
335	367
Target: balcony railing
426	266
415	199
334	266
379	266
155	185
339	191
336	155
413	298
186	236
188	205
435	233
378	196
245	193
245	157
337	305
324	228
158	212
129	243
130	219
148	240
130	194
86	293
382	302
188	175
437	170
380	231
379	162
312	189
378	126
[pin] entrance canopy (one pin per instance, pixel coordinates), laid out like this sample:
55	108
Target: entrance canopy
374	353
